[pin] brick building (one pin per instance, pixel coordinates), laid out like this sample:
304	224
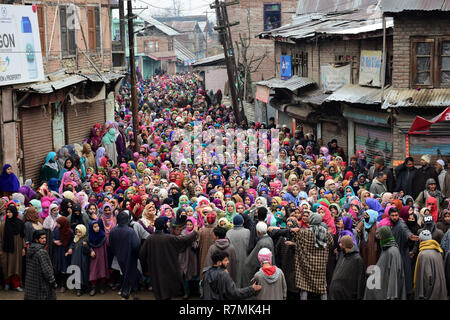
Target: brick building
78	90
329	93
421	75
264	15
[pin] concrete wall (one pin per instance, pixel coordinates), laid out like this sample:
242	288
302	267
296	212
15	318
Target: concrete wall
215	78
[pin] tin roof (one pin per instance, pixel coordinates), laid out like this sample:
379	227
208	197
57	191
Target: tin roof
212	60
181	52
315	97
61	79
417	98
146	16
294	83
396	6
332	24
353	93
311	6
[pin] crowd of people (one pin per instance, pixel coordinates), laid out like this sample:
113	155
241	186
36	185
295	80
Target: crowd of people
311	222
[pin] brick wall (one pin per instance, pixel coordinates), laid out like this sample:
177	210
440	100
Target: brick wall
163	43
409	26
54	61
258	46
328	48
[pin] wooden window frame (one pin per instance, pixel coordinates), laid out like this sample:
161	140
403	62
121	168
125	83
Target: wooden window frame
413	64
93	27
266	5
439	56
42	28
66	52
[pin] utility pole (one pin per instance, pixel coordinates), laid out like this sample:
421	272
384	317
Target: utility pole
206	35
223	27
122	31
132	64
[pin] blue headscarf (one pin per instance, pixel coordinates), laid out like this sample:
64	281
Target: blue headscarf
96	238
50	156
376	206
53	184
8	182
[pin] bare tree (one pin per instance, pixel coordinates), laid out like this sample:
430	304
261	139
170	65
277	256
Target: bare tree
247	63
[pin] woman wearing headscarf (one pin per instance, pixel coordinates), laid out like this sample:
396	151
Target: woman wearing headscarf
99	154
89	157
32	222
67	179
369	249
50	168
98	267
78	217
136	207
230	211
81	254
373	204
8	181
109	143
62	239
12	244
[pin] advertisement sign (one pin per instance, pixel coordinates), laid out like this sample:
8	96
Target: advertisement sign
370	68
285	67
262	93
20	45
333	77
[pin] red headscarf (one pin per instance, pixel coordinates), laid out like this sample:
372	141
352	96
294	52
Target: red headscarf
432	204
136	199
328	219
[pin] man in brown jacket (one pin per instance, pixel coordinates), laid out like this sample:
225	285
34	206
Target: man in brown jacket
206	238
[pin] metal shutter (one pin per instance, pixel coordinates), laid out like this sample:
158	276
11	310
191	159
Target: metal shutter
375	141
425	144
37	140
332	131
80	118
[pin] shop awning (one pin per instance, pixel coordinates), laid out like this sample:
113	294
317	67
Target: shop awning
366	116
292	84
163	55
353	93
416	98
422	125
298	112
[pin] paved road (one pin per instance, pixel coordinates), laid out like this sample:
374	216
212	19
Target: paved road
71	295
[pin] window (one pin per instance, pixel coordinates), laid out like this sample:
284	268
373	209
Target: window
67	30
93	16
430	62
41	23
151	46
170	45
272	16
300	64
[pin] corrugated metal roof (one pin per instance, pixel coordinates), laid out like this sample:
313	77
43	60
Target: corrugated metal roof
332	24
316	97
48	86
294	83
181	52
353	93
417	98
209	60
146	16
311	6
94	77
414	5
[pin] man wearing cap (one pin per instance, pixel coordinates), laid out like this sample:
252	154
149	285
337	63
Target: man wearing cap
380	167
239	237
206	236
429	274
440	170
424	173
270	278
251	262
349	276
160	251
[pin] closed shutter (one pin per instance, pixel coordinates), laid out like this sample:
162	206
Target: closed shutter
80	118
63	30
429	144
37	140
91	28
332	131
97	28
374	141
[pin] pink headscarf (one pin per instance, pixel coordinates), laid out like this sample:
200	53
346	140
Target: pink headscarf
328	219
66	179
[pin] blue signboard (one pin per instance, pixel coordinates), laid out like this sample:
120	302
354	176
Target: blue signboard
285	67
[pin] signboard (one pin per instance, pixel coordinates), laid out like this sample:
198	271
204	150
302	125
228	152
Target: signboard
285	67
20	45
370	68
262	93
333	78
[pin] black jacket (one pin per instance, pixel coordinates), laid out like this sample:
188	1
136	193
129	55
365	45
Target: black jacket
404	179
349	279
420	179
218	285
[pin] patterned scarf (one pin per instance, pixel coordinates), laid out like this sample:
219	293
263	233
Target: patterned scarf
319	231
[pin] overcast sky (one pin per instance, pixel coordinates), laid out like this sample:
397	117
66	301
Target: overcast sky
187	7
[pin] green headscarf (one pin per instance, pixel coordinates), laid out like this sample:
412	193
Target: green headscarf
109	137
37	204
386	238
230	216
